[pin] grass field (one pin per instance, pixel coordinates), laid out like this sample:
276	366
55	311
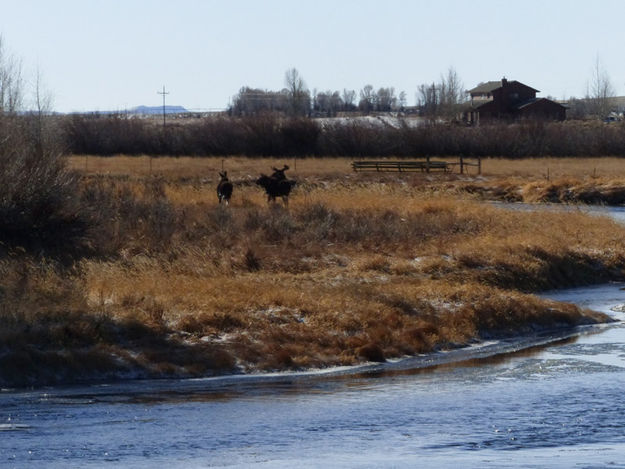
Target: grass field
361	266
533	168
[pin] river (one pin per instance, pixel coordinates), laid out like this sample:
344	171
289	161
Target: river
559	405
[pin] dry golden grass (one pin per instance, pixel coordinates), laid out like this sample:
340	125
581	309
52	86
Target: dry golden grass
331	180
554	168
393	272
173	168
360	267
189	167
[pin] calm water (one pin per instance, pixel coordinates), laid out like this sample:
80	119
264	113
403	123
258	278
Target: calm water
559	406
616	213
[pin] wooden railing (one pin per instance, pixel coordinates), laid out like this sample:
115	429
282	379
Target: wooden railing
425	165
400	166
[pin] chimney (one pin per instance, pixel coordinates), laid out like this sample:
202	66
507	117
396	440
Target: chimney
504	82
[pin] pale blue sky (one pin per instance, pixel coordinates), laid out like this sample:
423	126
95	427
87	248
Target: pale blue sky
116	54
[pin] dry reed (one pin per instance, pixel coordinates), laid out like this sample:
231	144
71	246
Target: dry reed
360	267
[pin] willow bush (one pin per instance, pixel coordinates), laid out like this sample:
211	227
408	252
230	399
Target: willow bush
272	135
39	206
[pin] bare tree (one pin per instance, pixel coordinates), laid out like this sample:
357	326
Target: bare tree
251	101
428	100
327	102
600	91
441	99
39	199
451	91
349	99
386	99
299	97
368	99
43	133
403	101
11	82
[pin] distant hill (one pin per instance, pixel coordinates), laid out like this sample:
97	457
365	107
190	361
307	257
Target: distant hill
142	111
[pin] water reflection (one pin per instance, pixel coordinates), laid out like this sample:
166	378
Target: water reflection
223	389
186	391
616	213
490	360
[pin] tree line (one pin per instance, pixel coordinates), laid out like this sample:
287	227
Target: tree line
295	99
442	99
277	123
266	123
278	136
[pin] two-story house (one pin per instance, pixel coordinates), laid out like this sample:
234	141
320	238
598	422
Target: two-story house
509	100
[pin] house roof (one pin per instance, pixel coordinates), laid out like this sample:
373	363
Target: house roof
480	105
527	103
491	86
530	102
487	87
518	107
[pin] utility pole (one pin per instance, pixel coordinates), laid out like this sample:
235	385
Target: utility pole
163	93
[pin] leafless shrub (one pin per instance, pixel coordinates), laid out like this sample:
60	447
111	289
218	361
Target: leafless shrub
252	261
39	207
273	135
277	224
319	221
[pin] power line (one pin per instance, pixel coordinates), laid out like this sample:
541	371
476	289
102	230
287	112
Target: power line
164	93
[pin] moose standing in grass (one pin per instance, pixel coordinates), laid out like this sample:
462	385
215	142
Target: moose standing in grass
224	188
277	185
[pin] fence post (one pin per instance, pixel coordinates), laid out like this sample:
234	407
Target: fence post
427	164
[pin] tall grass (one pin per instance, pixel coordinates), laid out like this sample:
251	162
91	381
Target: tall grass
360	267
368	273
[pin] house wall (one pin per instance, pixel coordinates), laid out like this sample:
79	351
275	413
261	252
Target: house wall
543	109
505	105
510	94
479	99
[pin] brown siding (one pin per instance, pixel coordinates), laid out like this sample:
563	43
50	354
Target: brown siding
543	109
507	104
511	94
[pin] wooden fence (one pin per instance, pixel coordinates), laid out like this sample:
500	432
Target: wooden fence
425	165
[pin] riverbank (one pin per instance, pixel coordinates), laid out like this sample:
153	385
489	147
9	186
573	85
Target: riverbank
488	410
360	268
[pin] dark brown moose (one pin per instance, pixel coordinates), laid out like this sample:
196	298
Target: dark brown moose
278	174
277	185
224	188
